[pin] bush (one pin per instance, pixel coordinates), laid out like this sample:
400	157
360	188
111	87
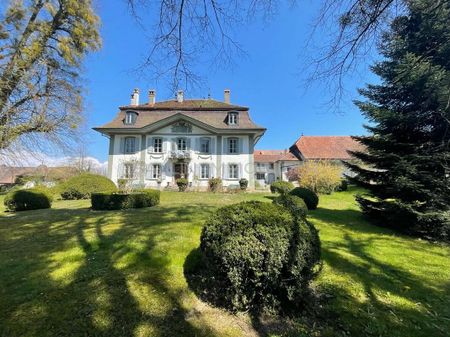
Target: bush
111	201
214	184
310	198
343	186
182	184
259	255
281	187
295	205
243	184
33	198
320	176
83	185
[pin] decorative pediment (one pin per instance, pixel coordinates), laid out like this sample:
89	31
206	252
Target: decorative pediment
181	127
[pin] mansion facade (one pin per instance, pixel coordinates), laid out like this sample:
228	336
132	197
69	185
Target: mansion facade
155	143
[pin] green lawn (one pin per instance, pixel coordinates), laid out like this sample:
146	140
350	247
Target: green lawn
73	271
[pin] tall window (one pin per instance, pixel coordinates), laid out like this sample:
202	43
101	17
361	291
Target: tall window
233	171
157	145
232	118
181	144
130	145
128	170
204	171
156	171
204	145
260	176
233	144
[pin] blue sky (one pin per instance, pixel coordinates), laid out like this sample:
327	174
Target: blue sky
267	79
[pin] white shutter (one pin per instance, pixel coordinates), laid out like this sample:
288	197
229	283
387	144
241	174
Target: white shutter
188	144
198	144
122	144
241	171
225	145
173	144
164	144
150	144
164	168
212	146
240	145
224	171
148	171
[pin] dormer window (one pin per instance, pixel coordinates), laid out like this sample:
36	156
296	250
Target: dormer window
130	117
232	118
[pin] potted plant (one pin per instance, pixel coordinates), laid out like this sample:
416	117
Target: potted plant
243	184
182	184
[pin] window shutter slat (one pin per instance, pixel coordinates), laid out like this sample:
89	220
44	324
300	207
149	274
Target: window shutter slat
198	144
212	146
240	145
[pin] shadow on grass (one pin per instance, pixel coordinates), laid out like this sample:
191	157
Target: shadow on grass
109	279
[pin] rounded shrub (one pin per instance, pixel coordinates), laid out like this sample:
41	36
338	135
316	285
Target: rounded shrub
182	184
214	184
243	184
259	256
281	187
111	201
343	186
83	185
310	198
28	199
295	205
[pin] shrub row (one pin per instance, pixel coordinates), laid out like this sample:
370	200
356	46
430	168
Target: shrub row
111	201
28	199
259	256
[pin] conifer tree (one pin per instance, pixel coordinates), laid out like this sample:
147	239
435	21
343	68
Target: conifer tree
405	167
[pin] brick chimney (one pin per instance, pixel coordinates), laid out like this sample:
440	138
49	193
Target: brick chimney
151	96
135	97
180	96
226	94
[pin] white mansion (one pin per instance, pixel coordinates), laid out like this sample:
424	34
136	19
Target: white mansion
155	143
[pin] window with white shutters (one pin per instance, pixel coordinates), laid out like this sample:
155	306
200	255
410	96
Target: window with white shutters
204	171
233	171
157	145
130	145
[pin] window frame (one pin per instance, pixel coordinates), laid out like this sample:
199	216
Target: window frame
233	118
208	171
126	145
235	170
128	173
178	144
160	145
260	174
130	117
158	171
236	146
203	141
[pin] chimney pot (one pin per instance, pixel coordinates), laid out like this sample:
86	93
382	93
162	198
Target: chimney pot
180	96
151	96
135	97
227	94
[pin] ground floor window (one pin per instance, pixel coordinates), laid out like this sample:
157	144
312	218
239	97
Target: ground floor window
156	171
260	176
233	171
204	171
128	171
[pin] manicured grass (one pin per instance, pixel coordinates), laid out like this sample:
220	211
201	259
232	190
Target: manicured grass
73	271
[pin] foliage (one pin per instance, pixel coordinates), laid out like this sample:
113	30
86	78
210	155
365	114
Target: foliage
320	176
182	184
292	174
295	205
343	186
42	45
310	198
28	199
405	165
112	201
262	257
243	184
281	187
214	184
83	185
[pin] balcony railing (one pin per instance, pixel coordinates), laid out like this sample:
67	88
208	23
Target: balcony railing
180	154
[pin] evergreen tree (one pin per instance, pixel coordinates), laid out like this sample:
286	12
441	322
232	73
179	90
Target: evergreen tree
405	167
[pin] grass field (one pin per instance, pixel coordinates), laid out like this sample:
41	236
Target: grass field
70	271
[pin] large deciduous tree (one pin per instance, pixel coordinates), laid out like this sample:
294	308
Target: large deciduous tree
407	159
42	44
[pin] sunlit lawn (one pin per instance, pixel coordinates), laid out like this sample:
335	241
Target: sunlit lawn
70	271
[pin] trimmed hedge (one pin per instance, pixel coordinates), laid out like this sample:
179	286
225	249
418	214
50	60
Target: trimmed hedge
259	256
243	184
28	199
310	198
281	187
295	205
83	185
111	201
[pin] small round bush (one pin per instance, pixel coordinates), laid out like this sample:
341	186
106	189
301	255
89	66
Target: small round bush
259	256
310	198
83	185
293	204
28	199
243	184
214	184
182	184
343	186
281	187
